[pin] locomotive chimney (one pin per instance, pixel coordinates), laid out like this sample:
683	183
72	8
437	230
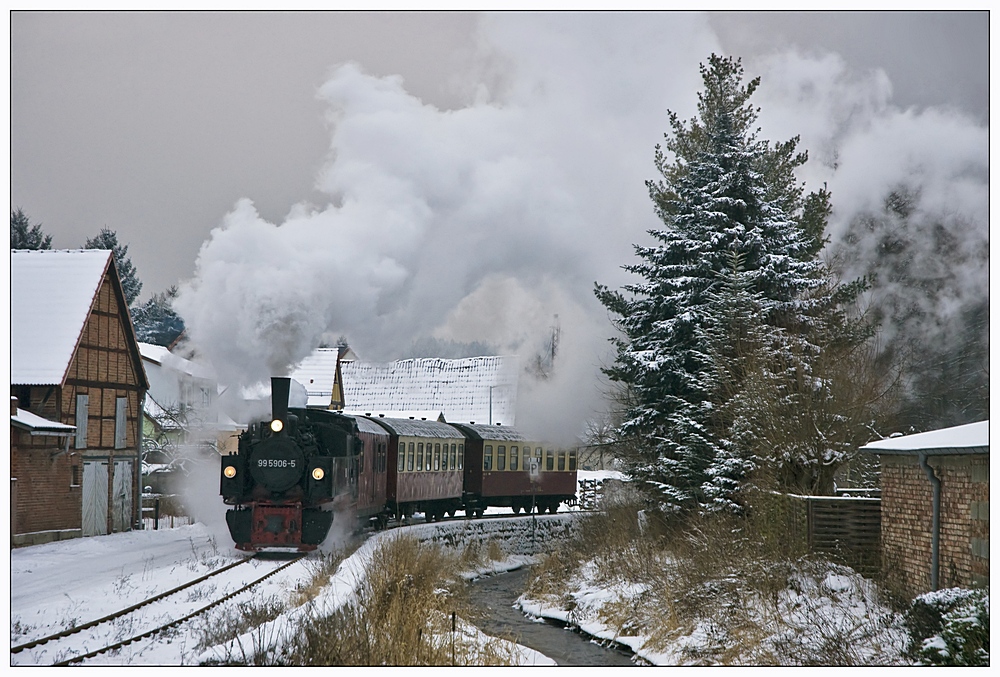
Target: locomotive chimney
280	385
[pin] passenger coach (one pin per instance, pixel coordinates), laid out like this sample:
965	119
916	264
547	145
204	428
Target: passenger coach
425	466
505	469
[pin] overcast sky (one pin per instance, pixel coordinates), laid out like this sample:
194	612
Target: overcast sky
154	125
516	143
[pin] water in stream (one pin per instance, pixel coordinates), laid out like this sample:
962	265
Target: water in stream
495	595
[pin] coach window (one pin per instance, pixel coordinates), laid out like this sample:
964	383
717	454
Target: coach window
572	459
488	457
454	457
501	457
525	455
437	455
549	459
461	456
428	457
562	460
513	458
409	459
420	455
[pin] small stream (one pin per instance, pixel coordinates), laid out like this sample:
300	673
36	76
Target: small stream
495	595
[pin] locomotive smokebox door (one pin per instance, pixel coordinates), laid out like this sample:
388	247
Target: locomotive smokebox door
319	478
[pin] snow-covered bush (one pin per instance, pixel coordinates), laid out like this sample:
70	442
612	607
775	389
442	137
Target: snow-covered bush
950	627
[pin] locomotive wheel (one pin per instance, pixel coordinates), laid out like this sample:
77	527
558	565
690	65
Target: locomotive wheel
480	512
451	512
516	508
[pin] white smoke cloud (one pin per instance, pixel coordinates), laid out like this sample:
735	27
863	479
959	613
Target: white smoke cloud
483	222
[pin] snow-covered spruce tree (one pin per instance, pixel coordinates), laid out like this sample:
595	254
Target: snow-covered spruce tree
156	321
724	196
24	234
108	239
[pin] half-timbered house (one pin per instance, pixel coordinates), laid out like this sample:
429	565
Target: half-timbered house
75	362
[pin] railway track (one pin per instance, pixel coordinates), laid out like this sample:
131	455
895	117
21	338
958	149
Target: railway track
57	637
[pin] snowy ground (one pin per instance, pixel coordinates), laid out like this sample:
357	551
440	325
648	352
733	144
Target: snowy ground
57	585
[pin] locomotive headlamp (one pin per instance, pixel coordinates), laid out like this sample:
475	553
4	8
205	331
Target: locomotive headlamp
230	471
318	474
277	425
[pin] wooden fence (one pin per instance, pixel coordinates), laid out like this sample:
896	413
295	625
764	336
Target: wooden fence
847	528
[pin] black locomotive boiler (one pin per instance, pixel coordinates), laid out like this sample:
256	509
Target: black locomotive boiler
289	475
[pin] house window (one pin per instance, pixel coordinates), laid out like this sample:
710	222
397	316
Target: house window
81	421
121	408
75	477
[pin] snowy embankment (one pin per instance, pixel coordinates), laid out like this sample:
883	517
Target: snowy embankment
822	607
515	537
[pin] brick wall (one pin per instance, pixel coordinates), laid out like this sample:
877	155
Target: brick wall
46	498
907	520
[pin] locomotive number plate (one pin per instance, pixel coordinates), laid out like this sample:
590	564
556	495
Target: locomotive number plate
276	463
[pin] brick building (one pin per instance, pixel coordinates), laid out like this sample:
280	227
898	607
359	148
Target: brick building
935	507
45	479
74	363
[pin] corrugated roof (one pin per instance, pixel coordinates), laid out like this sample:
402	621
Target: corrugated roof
51	294
970	438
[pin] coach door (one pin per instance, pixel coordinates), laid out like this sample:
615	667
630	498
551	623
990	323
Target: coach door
95	498
121	497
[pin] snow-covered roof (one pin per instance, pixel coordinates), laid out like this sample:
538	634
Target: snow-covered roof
316	372
40	426
161	356
417	415
51	294
366	425
972	438
500	433
480	389
405	426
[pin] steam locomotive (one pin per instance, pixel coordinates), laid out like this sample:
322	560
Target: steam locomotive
292	473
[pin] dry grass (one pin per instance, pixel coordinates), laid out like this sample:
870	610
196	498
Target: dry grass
726	580
402	616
